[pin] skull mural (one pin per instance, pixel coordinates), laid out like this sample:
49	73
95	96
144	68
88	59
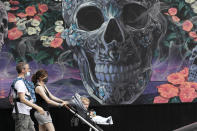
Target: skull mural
3	24
113	42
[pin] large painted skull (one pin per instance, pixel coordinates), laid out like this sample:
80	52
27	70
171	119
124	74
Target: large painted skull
3	24
113	42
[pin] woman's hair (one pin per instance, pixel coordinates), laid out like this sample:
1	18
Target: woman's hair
39	74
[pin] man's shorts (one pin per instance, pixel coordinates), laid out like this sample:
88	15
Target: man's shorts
43	119
23	122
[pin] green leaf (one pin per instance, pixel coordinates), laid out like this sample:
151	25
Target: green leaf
181	5
186	13
195	100
175	99
41	55
51	60
166	43
171	36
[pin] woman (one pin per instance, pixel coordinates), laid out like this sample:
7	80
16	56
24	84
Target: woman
44	99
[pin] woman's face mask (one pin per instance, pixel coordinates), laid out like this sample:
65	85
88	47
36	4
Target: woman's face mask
45	80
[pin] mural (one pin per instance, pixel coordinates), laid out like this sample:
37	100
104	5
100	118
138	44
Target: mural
115	51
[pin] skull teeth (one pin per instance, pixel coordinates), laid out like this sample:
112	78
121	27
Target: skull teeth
101	68
113	73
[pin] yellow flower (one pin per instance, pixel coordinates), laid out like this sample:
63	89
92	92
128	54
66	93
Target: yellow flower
38	28
46	43
31	31
189	1
59	22
44	38
194	5
21	26
21	21
51	38
195	10
59	28
35	22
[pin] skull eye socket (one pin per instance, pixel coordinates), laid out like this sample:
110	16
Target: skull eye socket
89	18
135	15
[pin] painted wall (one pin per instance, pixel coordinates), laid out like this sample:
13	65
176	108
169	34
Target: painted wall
36	34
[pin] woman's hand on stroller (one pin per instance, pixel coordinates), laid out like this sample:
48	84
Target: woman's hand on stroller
65	104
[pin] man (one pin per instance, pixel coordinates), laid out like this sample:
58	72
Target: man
21	111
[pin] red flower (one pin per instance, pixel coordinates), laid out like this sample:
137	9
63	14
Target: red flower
168	90
14	33
176	78
159	99
185	72
57	42
14	2
30	10
187	25
175	19
193	34
11	17
58	35
172	11
187	94
37	18
22	15
42	7
14	8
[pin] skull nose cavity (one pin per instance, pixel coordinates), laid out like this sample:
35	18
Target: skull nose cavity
113	32
114	55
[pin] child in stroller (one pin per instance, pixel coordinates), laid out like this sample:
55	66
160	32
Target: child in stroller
81	105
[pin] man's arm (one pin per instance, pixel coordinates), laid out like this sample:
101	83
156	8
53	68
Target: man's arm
29	103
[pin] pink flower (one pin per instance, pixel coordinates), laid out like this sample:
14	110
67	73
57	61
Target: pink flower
14	2
193	85
176	78
57	42
58	35
160	99
185	72
187	94
187	25
22	15
14	33
175	19
193	34
168	90
172	11
30	10
42	7
11	17
37	18
14	8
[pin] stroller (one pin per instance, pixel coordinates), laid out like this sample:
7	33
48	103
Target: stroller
76	107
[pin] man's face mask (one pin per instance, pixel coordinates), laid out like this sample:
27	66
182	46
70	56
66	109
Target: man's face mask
27	74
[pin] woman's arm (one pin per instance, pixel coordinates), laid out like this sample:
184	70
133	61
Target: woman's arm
39	90
55	98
